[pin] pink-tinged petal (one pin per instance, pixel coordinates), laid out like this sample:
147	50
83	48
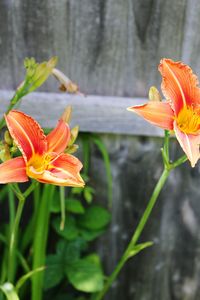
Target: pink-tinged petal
27	134
56	179
189	143
63	170
13	170
59	137
179	84
157	113
67	167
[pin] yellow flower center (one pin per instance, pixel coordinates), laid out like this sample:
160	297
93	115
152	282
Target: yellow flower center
38	164
188	120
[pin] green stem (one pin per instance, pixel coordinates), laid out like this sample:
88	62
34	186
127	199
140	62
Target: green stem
13	239
179	161
30	189
166	143
10	107
20	92
11	201
136	234
62	206
27	236
15	227
40	240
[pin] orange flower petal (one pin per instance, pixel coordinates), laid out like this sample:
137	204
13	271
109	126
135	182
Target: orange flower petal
189	143
53	178
13	170
157	113
27	134
63	170
179	84
58	138
68	167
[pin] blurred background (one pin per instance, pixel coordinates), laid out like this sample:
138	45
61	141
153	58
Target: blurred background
112	48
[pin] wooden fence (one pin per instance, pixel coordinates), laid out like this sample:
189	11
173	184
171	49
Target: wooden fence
111	48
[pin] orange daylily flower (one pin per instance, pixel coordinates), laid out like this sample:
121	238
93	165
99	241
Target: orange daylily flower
43	157
181	111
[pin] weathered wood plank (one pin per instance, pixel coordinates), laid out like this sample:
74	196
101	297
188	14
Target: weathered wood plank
102	114
170	268
109	47
113	47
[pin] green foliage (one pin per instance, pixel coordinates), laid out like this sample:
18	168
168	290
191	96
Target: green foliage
85	275
72	205
87	141
137	248
71	220
70	231
95	218
88	194
102	148
69	270
9	291
71	263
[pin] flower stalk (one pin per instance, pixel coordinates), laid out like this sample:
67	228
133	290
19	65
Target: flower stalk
168	167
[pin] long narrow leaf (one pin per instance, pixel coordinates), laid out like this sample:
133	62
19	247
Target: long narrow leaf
25	277
40	240
86	152
102	148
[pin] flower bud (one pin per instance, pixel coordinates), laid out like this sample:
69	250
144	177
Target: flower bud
66	116
74	135
66	84
71	149
4	152
154	94
42	72
7	138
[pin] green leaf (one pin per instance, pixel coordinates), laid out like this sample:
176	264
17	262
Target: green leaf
55	203
90	235
66	253
71	205
102	148
137	248
88	193
77	190
95	218
74	206
70	231
54	271
85	275
9	291
94	258
70	251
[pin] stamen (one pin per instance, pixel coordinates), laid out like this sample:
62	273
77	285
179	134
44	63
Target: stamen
188	120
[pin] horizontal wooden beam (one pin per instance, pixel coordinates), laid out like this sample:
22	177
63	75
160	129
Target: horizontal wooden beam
103	114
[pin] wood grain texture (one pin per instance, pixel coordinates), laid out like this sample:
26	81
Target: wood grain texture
170	268
112	48
92	113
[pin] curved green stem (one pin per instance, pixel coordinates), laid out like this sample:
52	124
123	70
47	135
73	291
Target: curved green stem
136	234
